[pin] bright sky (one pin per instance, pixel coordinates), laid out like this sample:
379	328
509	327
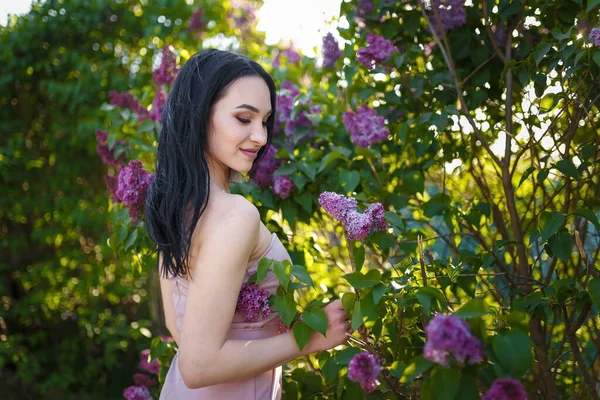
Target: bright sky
301	21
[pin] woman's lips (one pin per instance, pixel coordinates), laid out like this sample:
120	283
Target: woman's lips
249	153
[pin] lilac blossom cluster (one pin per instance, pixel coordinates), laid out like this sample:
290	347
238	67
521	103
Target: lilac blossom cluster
262	172
378	51
253	303
452	14
145	364
282	186
356	224
247	14
285	104
594	36
112	183
167	70
364	368
448	334
506	389
365	126
137	393
160	98
144	380
108	155
331	51
364	7
196	23
283	328
292	55
128	101
132	187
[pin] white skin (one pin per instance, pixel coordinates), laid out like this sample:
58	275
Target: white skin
217	267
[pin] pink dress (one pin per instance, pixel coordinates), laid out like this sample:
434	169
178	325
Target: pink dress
266	386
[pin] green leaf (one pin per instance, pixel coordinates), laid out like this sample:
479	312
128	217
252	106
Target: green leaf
445	383
474	308
286	169
310	170
426	294
418	365
316	318
348	300
302	333
589	215
286	308
359	256
329	158
350	180
436	205
359	281
262	269
560	244
394	219
302	274
357	317
596	57
131	239
378	291
542	175
593	288
568	168
283	271
525	176
592	4
551	222
540	51
514	352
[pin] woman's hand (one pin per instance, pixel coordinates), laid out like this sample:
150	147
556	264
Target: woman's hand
338	327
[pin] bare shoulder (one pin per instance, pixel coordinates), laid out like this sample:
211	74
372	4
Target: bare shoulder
227	218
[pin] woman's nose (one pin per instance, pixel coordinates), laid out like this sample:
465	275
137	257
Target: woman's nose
259	135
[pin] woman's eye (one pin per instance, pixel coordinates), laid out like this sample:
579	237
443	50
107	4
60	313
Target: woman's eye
243	121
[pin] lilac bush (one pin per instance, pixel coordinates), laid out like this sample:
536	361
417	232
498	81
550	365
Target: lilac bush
331	51
282	186
133	184
137	393
167	71
378	51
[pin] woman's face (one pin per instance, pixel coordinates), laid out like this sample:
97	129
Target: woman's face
237	127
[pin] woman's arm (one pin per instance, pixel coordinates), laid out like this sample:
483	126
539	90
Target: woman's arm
206	357
166	290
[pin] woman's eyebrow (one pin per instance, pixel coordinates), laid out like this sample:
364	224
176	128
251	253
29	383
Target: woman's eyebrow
251	108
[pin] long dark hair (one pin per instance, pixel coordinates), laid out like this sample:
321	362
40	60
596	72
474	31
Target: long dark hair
182	181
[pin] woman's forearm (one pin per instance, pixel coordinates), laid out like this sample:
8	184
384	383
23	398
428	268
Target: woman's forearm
240	359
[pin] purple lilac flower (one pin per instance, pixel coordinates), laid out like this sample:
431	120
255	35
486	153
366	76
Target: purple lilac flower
364	7
365	127
108	156
282	186
337	206
357	225
152	367
506	389
594	36
137	393
452	14
364	368
196	23
160	98
253	302
376	214
283	328
292	55
133	183
378	51
276	61
128	101
247	17
167	71
144	380
331	51
262	172
112	183
448	334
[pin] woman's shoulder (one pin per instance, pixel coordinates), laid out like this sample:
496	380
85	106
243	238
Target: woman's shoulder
225	215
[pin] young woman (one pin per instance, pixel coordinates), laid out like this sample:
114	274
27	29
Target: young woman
217	122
